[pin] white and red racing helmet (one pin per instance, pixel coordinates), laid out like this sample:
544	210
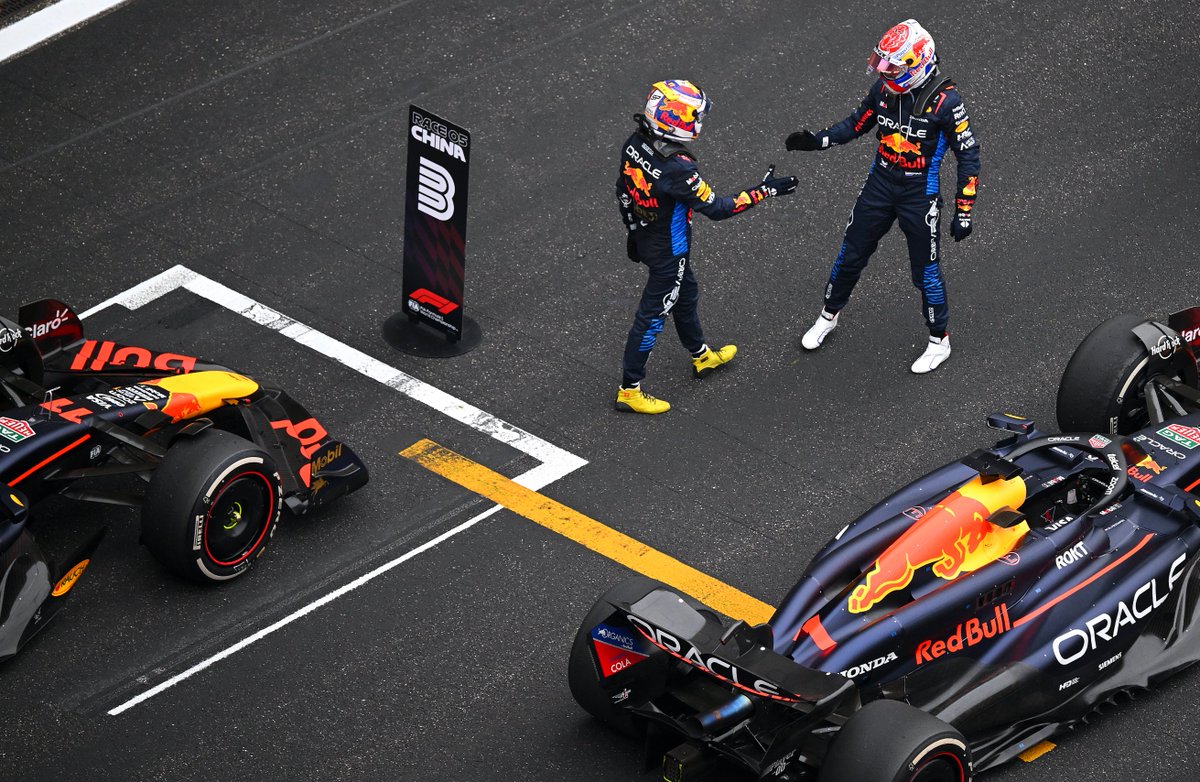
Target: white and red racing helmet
904	57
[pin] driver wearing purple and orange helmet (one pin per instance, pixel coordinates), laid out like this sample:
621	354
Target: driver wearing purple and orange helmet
658	187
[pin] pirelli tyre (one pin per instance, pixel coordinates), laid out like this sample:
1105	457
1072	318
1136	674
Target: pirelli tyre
1101	388
890	741
212	506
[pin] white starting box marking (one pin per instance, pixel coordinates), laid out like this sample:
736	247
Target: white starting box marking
555	462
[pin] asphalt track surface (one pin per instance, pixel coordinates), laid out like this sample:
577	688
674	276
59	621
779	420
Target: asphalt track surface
261	144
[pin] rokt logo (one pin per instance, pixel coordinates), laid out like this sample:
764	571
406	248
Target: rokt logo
435	190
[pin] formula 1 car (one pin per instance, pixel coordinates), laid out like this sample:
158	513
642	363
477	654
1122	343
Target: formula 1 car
221	454
991	604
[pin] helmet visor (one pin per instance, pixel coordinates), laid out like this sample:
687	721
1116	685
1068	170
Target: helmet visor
702	113
884	67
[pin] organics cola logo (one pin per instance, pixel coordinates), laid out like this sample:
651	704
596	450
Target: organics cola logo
615	649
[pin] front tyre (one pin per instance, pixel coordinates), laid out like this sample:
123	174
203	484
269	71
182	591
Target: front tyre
890	741
212	506
1101	388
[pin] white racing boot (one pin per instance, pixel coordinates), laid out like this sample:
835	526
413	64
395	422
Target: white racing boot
824	324
936	353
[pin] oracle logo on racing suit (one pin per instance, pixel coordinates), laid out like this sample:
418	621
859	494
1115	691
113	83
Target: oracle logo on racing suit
643	162
722	669
906	130
1072	645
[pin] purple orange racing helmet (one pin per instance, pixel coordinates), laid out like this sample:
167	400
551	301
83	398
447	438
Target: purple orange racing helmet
675	110
904	58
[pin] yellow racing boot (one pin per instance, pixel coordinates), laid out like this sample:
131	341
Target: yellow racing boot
711	359
633	400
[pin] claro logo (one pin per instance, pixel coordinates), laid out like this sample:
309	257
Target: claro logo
706	662
435	190
1072	645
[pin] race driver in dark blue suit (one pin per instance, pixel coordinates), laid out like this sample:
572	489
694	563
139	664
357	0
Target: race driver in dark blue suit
918	116
658	187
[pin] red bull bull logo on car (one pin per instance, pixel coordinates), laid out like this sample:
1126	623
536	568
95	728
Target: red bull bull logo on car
1145	470
954	537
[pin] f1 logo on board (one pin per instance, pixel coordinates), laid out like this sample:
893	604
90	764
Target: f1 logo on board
439	303
435	190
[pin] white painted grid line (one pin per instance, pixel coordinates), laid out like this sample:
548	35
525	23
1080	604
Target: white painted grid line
308	609
49	22
555	462
418	390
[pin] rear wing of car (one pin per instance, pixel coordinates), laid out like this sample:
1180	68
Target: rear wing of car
740	697
741	657
1187	324
53	326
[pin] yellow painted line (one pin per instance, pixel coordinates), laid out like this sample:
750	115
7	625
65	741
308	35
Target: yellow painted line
588	532
1035	752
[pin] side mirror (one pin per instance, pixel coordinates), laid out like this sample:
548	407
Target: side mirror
1007	422
14	506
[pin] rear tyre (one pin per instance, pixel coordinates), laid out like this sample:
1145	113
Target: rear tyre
212	506
1101	388
890	741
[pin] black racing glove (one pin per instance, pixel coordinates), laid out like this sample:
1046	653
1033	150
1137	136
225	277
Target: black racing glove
772	186
803	140
631	248
964	206
778	185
